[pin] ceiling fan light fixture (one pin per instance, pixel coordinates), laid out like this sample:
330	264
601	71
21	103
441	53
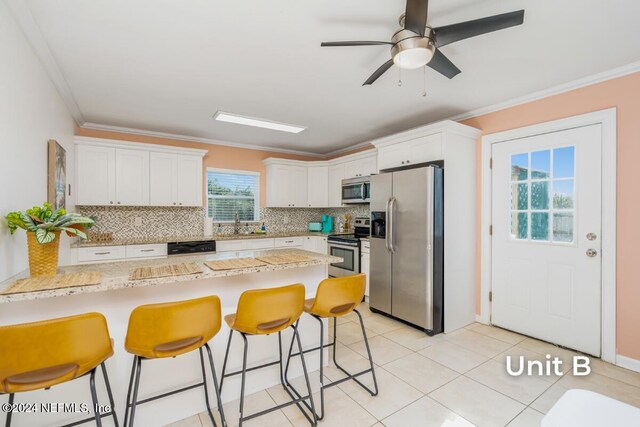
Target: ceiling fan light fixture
410	50
413	58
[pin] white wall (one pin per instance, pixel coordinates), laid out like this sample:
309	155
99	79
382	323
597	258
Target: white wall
31	112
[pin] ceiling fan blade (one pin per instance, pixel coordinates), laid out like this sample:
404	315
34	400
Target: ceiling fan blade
351	43
380	71
415	16
443	65
464	30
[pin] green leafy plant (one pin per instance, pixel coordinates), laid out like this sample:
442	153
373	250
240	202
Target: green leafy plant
44	222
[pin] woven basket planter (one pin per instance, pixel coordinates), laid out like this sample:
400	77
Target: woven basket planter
43	258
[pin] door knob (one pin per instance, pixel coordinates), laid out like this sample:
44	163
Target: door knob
592	236
591	253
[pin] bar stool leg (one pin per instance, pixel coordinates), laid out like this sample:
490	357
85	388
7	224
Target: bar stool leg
94	397
216	387
366	343
110	394
306	374
226	356
206	390
321	416
244	372
135	389
285	382
12	397
129	390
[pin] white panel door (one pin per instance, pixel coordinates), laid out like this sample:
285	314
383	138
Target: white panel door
299	188
163	183
318	186
546	217
95	175
336	175
367	166
189	180
132	177
279	186
393	156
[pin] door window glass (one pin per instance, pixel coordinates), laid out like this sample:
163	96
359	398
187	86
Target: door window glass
543	195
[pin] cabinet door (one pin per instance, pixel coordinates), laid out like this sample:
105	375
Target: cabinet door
318	186
364	268
163	182
95	175
189	180
393	156
336	175
351	169
367	166
426	149
299	186
279	186
132	177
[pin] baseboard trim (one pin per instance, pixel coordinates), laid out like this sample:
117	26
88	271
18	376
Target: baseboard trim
628	363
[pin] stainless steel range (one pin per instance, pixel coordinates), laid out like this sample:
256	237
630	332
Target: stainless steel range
347	247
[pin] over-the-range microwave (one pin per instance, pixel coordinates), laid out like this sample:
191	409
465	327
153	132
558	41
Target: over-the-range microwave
356	190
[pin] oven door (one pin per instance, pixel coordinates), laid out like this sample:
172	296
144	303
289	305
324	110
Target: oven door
351	259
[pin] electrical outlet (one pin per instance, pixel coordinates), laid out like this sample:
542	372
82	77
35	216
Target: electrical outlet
285	219
137	221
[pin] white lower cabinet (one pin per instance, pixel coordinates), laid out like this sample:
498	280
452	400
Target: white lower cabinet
364	263
288	242
101	253
315	244
146	251
243	245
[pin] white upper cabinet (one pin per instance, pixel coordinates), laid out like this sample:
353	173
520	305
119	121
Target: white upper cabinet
336	175
286	185
132	177
190	180
110	172
163	171
418	150
299	186
318	184
317	189
96	168
360	167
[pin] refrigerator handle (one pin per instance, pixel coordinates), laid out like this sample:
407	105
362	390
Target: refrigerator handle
386	227
392	208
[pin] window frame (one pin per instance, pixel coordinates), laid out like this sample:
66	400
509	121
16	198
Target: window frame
256	201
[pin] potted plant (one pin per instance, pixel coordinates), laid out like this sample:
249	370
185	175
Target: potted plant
43	226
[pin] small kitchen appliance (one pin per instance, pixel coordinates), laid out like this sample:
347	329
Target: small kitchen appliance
315	226
327	223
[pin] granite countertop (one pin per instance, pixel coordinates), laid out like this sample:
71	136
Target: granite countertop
217	237
115	275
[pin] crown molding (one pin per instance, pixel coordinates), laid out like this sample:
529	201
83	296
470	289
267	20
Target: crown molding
117	143
133	131
614	73
347	149
26	22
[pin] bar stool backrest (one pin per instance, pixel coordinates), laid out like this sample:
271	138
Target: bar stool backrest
42	354
265	311
338	296
173	328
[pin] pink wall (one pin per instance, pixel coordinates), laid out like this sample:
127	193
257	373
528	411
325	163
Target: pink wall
624	94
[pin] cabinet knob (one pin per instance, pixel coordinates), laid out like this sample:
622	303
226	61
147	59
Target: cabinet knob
408	161
174	203
118	202
403	162
180	204
111	202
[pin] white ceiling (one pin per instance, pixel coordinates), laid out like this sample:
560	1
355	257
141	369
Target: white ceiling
168	66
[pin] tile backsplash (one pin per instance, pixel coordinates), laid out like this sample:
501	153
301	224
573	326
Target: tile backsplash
160	222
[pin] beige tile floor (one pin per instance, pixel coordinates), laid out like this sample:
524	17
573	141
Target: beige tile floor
458	379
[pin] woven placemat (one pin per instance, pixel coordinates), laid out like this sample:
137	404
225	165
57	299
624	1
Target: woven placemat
35	284
164	271
284	259
234	264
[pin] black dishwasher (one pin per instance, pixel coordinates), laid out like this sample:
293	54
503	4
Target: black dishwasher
193	247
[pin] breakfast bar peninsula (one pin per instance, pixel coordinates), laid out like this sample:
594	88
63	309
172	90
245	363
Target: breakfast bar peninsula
122	287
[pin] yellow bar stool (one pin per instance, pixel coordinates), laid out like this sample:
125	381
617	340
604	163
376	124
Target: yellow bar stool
265	312
168	330
336	297
39	355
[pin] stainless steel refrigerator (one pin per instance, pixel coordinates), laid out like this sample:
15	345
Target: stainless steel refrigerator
407	244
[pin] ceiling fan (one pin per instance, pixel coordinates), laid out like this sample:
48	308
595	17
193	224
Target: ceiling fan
416	44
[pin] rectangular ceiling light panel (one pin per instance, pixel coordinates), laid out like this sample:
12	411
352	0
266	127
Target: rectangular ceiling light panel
261	123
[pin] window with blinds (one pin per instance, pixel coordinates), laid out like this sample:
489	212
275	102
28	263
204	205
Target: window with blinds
233	192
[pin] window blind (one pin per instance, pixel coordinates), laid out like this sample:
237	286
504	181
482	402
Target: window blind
231	193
